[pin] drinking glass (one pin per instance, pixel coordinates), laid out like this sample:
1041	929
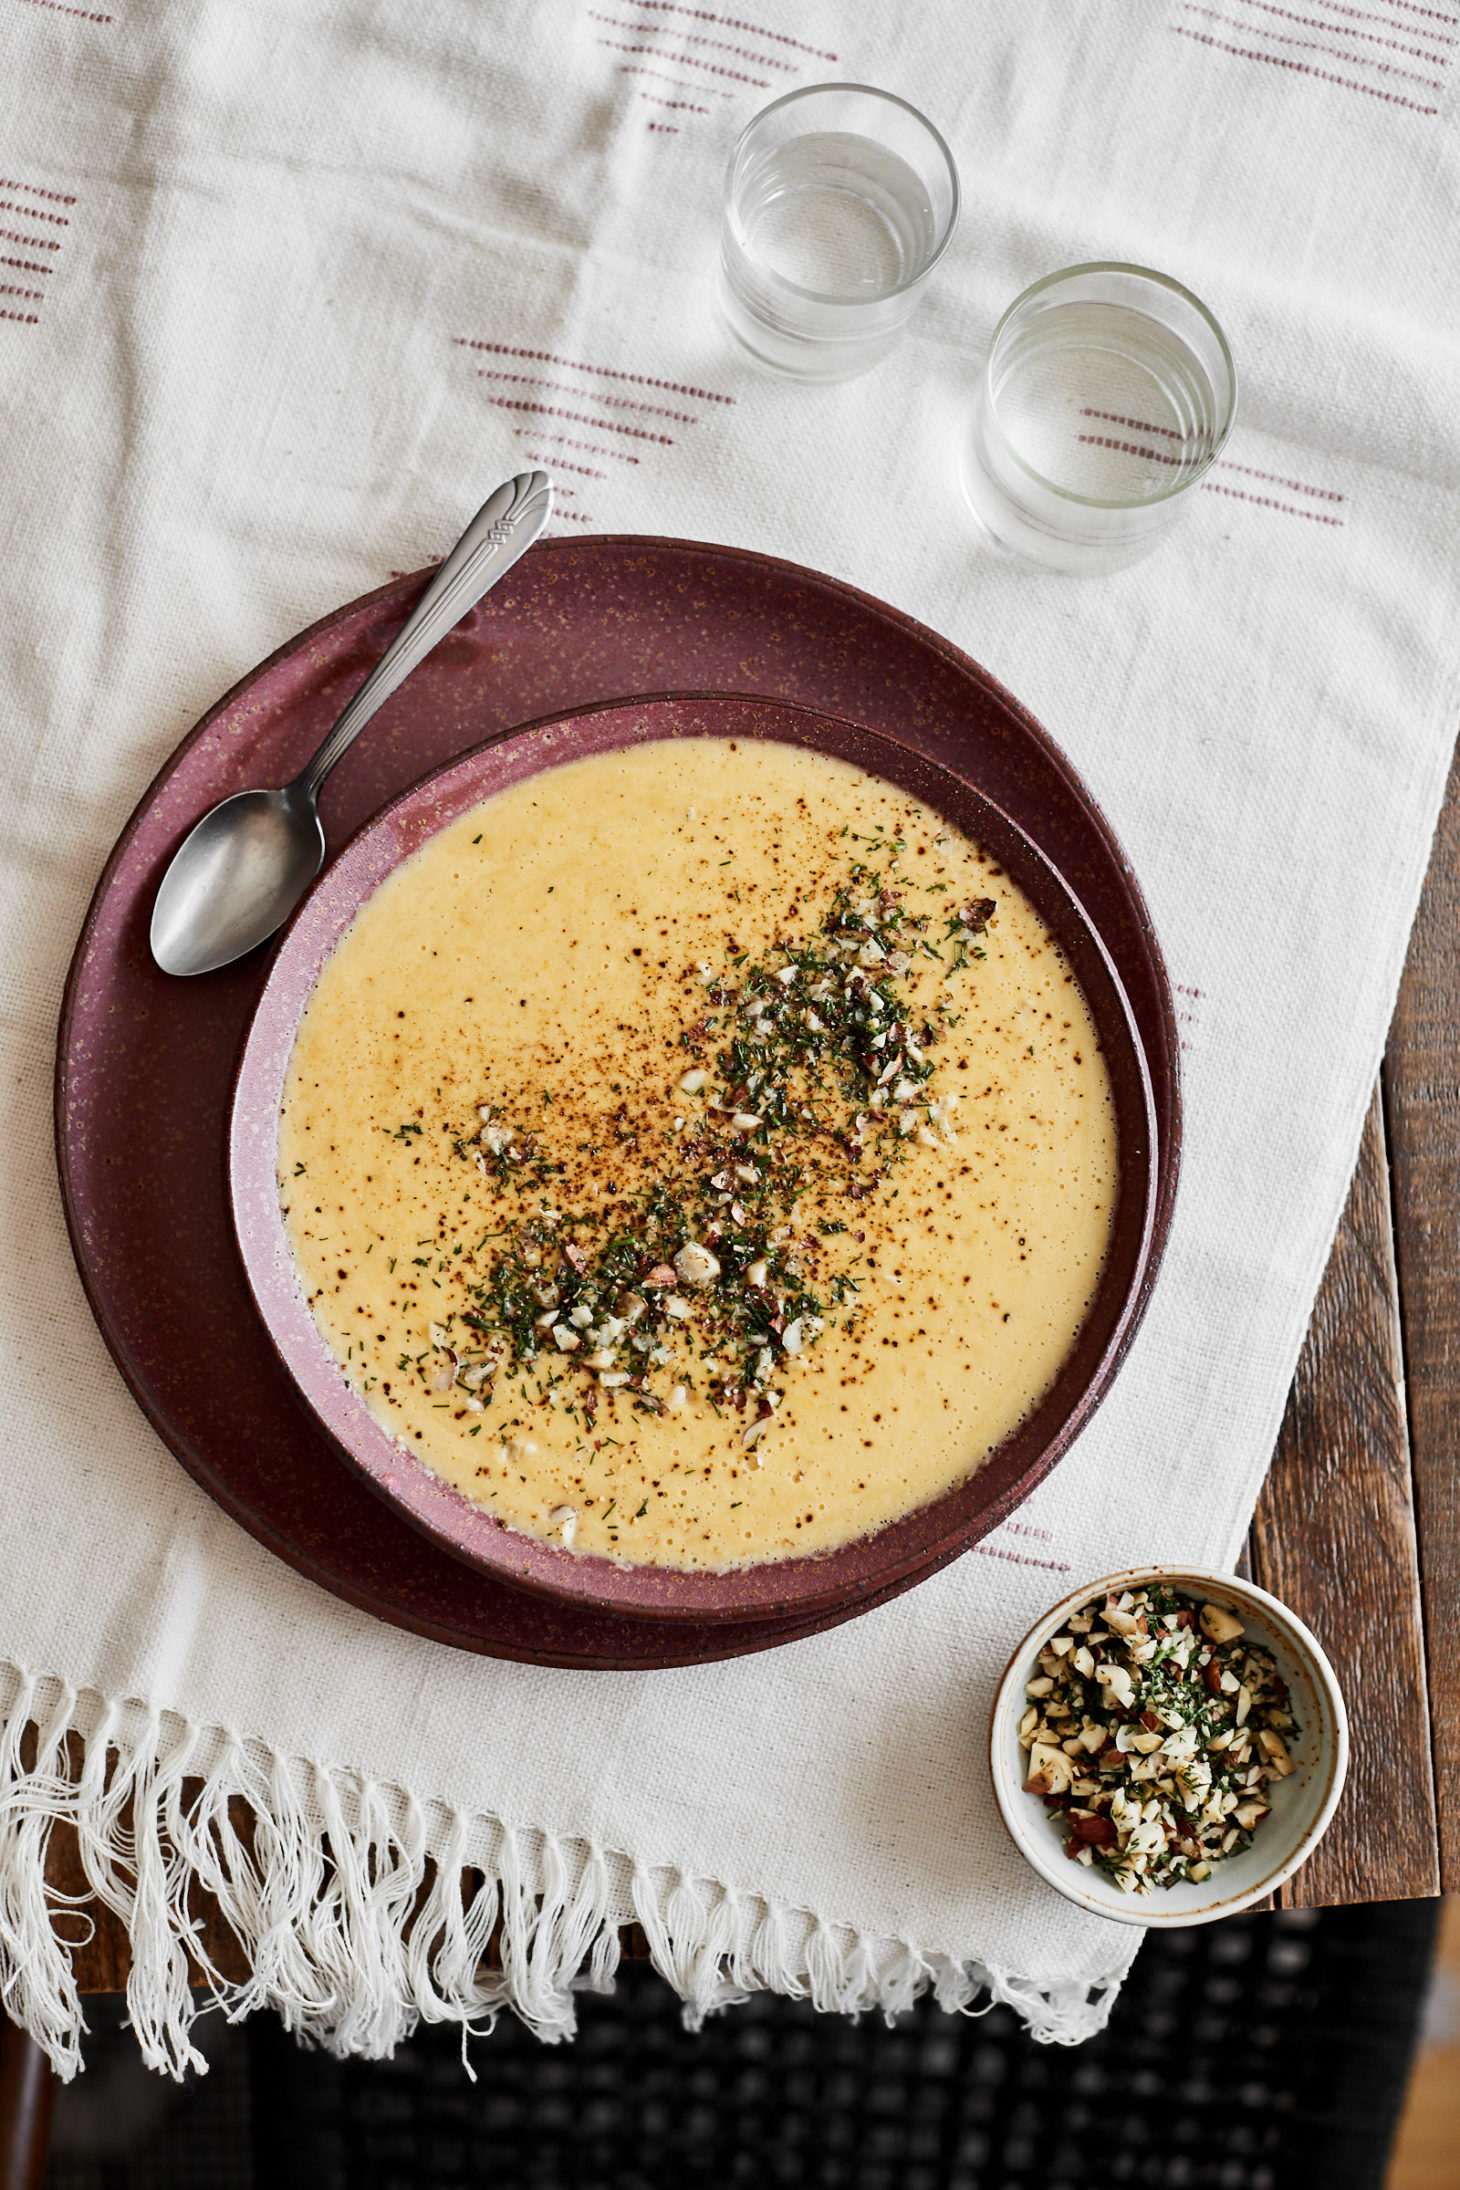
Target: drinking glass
1106	397
839	201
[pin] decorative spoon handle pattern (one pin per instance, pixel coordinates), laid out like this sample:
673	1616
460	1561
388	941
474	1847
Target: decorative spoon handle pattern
503	529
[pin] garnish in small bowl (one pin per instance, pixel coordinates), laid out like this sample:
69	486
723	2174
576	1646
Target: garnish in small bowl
1155	1727
1168	1745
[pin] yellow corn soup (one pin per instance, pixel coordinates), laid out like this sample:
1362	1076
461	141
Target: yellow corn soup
699	1154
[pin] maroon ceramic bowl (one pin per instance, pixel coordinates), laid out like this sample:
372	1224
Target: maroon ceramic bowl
892	1558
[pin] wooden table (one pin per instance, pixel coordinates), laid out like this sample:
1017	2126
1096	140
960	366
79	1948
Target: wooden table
1358	1527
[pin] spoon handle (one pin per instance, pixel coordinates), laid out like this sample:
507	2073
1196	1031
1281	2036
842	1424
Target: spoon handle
503	529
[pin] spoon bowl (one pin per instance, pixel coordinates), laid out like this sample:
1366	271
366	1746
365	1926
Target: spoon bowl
236	877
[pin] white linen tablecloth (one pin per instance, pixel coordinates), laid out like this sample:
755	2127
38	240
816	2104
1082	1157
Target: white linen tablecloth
283	292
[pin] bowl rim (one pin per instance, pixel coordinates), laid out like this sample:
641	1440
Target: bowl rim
1021	1813
911	1547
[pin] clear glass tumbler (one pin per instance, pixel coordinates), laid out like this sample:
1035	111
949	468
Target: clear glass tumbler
1106	397
839	201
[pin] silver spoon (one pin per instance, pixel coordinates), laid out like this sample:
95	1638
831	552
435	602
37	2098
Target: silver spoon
241	871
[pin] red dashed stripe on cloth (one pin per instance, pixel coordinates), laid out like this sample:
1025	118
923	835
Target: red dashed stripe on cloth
610	402
561	463
60	9
1436	15
1301	68
673	106
689	60
31	243
665	129
602	372
591	448
56	197
692	38
600	425
9	289
675	83
733	22
1019	1558
27	266
1226	463
1136	425
1309	45
33	212
1130	448
27	319
1265	501
1368	37
1276	479
1363	15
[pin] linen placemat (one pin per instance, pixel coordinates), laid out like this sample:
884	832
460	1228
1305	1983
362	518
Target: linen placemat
282	294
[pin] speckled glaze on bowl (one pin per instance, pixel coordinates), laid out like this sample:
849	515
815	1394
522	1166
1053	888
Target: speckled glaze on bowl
903	1551
145	1065
1302	1805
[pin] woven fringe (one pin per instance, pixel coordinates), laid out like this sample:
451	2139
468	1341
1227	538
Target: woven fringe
361	1915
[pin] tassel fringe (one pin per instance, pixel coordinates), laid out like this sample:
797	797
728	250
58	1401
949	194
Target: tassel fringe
361	1914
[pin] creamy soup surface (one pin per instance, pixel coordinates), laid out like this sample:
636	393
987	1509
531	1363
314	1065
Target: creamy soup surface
699	1154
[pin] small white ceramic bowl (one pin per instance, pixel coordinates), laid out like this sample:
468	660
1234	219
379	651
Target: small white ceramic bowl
1302	1804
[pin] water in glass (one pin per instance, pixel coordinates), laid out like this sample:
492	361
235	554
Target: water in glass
838	214
1106	403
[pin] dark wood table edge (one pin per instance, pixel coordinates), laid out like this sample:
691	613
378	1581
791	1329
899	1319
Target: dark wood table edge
1421	1086
1358	1525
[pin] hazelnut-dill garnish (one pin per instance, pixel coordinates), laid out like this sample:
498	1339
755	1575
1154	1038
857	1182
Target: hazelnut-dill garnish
1155	1729
696	1239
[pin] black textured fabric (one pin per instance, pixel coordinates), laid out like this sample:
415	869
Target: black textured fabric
1263	2053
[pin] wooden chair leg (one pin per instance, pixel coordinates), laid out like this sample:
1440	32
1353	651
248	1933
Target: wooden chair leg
27	2089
